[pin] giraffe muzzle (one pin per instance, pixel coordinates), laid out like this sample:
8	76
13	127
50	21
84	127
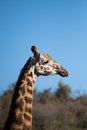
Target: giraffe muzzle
62	72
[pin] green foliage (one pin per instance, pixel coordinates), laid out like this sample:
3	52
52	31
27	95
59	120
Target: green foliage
52	111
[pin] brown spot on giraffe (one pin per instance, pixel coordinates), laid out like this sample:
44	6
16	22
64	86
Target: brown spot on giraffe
25	127
29	91
29	83
16	129
30	74
20	104
27	117
19	120
28	99
22	89
29	110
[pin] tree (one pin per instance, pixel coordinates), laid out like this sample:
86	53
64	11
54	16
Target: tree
63	91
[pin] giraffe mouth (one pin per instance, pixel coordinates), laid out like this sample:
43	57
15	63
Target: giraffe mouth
62	72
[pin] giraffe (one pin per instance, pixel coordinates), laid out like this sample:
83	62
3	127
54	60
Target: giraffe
20	113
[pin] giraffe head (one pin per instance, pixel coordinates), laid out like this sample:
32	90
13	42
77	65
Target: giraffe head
45	65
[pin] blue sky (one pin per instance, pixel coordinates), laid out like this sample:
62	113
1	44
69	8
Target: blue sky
56	27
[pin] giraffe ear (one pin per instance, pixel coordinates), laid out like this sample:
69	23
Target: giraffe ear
35	51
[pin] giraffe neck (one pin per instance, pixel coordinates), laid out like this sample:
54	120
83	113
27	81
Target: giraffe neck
20	114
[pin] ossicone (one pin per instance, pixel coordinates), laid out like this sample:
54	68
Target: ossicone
35	50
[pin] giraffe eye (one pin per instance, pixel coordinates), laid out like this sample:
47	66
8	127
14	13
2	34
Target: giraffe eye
45	62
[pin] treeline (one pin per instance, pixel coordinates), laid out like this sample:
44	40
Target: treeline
52	111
